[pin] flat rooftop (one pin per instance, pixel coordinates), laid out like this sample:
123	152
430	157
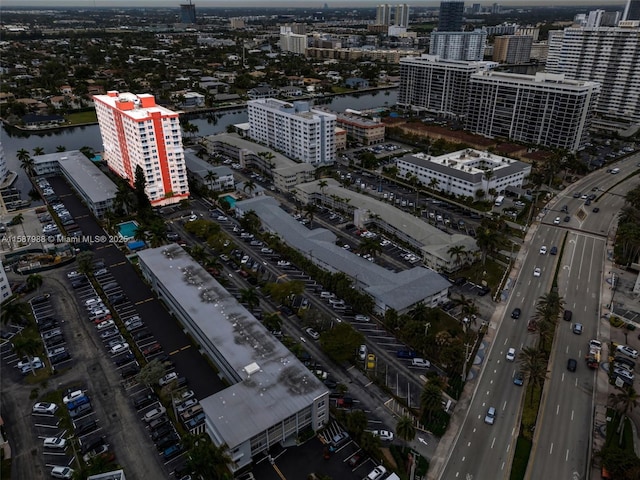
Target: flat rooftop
397	290
272	384
201	167
93	182
434	241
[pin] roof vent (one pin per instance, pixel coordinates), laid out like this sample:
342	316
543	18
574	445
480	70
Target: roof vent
251	369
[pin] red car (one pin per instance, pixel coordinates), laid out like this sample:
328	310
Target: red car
151	349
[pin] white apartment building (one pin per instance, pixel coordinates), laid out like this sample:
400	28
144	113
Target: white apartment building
138	132
436	85
292	42
458	45
607	55
5	288
465	172
295	129
544	109
383	14
402	15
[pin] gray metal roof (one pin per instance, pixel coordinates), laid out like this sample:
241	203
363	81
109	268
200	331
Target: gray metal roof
280	385
201	167
97	186
396	290
433	241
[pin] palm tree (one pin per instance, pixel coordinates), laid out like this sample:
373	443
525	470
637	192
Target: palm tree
370	246
14	312
405	429
457	253
323	185
488	174
624	402
419	312
37	151
207	460
198	253
430	400
210	177
533	363
250	297
27	347
26	162
433	183
34	281
309	211
61	148
249	185
88	151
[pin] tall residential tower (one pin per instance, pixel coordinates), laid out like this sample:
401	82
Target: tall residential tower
137	132
450	19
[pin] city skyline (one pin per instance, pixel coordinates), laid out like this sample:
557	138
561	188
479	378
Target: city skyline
281	4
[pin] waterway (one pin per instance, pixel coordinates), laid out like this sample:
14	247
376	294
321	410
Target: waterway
208	124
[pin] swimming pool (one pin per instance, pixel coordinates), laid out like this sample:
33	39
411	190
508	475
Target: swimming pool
128	229
230	200
97	158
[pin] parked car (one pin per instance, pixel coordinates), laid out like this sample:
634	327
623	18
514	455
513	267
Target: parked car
62	472
384	435
172	451
312	333
54	442
151	349
628	351
44	408
72	395
77	402
185	405
362	318
168	378
154	413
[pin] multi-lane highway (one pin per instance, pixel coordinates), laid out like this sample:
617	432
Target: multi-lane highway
483	451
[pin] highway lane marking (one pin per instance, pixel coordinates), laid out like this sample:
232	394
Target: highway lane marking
557	409
464	458
502	467
572	415
551	449
185	347
144	301
566	350
562	378
493	442
576	382
118	264
474	430
174	352
505	405
469	444
566	457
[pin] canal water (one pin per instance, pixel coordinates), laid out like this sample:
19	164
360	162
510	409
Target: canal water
77	137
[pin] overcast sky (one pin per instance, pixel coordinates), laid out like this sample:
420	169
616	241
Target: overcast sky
283	3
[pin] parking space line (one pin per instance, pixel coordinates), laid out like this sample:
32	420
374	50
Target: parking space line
118	264
144	301
174	352
275	467
185	347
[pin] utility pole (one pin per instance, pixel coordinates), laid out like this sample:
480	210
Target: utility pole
466	360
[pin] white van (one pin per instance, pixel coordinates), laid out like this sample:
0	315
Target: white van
615	170
499	200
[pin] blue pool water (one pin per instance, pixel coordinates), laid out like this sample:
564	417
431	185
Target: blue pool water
230	200
97	158
128	229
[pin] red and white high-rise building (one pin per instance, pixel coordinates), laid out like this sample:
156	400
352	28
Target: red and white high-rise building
135	131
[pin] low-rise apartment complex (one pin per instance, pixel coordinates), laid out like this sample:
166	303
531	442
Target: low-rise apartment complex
272	396
465	172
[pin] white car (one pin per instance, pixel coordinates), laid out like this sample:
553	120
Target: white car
28	363
193	218
54	442
511	354
362	318
92	301
44	408
543	250
384	435
105	324
73	274
118	348
71	396
283	263
312	333
362	352
556	221
537	272
169	377
154	413
628	351
62	472
182	397
376	473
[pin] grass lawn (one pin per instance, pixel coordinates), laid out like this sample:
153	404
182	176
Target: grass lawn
338	90
530	409
613	438
491	272
520	458
78	118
